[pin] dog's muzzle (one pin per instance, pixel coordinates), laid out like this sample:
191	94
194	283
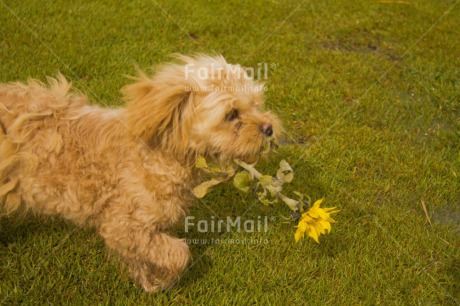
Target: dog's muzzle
266	129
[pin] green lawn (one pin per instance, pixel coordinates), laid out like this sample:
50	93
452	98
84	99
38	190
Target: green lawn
369	93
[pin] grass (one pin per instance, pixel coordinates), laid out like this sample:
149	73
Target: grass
369	94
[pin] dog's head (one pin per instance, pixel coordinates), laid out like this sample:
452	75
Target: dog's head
201	106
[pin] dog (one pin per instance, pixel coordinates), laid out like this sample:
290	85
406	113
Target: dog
129	172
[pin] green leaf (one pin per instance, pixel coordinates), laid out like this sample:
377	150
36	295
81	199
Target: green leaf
201	162
242	181
204	188
212	169
270	146
265	198
269	181
304	201
285	172
273	189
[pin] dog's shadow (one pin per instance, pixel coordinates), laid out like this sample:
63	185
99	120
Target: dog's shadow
18	229
198	243
17	232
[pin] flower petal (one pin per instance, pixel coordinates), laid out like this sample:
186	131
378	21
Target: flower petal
298	235
302	226
313	213
317	204
312	233
306	217
322	214
331	210
326	225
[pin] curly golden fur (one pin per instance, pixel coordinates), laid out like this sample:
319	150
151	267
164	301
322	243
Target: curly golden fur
129	171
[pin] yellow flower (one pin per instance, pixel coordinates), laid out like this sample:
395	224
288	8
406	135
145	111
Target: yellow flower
315	221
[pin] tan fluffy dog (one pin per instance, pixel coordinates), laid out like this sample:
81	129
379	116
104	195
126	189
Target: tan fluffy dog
128	172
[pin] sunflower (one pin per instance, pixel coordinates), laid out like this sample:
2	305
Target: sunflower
315	221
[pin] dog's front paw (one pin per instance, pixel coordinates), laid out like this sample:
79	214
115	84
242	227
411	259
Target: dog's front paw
163	266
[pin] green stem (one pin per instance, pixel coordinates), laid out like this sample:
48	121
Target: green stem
253	171
250	168
289	202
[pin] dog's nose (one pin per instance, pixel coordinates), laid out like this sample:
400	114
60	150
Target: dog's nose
267	129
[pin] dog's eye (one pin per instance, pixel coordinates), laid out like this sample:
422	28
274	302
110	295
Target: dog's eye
232	115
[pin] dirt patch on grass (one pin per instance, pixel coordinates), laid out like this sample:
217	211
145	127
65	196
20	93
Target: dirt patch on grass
360	40
448	216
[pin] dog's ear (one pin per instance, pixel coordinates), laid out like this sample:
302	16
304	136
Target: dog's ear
155	105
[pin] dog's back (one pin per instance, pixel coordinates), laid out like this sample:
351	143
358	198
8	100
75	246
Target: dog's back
21	103
29	131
